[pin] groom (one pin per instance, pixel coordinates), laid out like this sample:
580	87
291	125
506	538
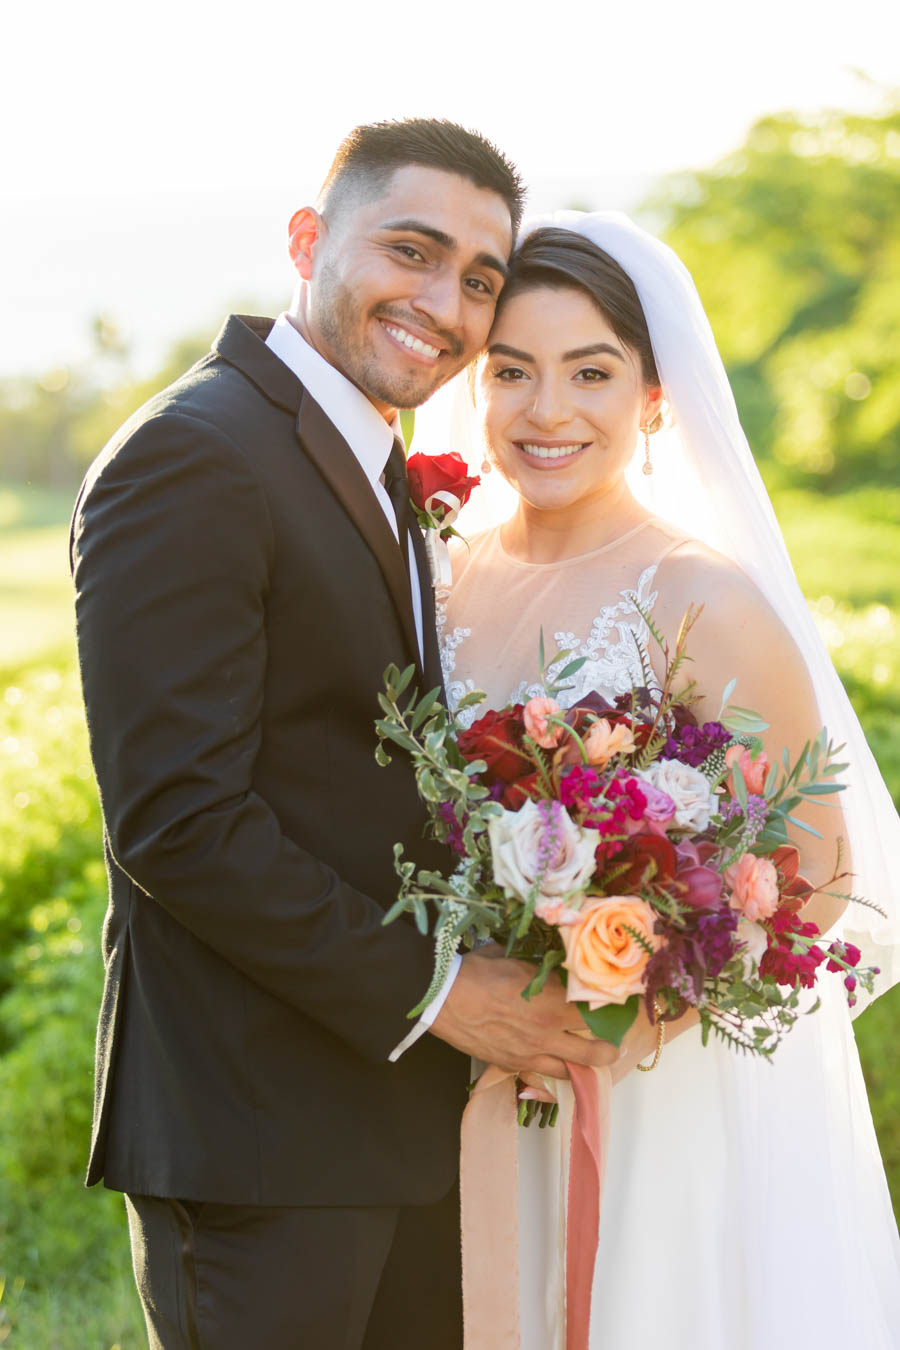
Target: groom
287	1144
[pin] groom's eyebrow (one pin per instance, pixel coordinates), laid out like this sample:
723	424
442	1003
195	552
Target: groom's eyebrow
446	241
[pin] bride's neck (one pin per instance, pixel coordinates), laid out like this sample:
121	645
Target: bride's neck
551	535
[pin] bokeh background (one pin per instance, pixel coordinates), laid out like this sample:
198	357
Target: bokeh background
151	162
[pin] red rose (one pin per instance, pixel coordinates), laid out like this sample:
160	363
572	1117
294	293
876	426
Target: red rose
497	739
515	795
439	473
643	851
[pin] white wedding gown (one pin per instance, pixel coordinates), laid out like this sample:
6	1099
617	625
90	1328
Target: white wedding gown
745	1204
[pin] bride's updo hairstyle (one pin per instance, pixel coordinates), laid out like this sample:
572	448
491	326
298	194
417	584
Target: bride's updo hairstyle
563	260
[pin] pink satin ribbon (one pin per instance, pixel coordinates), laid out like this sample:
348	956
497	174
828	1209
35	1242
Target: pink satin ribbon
489	1193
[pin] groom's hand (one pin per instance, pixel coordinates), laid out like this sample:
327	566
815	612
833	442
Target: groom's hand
485	1016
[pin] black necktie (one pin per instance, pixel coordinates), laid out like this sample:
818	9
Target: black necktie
397	488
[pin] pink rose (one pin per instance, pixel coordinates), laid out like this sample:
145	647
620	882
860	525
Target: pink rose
754	887
555	912
605	961
603	741
536	713
755	771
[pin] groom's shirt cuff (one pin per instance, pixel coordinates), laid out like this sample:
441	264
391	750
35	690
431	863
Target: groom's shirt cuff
430	1013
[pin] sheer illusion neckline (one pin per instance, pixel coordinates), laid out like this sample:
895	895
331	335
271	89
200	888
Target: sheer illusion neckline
577	557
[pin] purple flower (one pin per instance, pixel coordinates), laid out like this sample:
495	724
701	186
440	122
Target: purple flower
715	930
454	840
693	744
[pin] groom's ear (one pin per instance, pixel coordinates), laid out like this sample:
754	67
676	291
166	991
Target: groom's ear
305	230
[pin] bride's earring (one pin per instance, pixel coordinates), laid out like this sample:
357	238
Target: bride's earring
647	465
486	465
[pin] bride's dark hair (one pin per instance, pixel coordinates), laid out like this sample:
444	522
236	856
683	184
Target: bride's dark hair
562	259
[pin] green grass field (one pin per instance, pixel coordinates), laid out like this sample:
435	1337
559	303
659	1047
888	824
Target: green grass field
64	1264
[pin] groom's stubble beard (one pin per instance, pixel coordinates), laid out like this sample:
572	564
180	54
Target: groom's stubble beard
342	325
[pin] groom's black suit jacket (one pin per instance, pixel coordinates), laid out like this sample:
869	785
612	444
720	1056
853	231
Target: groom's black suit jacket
239	595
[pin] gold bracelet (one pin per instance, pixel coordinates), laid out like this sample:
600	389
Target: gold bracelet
660	1038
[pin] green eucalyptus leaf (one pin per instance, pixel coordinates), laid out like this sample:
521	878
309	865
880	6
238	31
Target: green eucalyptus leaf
800	825
404	680
381	756
470	700
549	962
428	788
434	742
610	1022
425	707
739	785
571	669
726	695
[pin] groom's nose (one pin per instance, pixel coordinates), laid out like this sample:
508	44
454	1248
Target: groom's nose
439	299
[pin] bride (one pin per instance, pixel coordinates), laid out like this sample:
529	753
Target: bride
745	1204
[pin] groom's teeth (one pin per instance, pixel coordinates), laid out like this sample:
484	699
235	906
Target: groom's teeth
415	344
550	452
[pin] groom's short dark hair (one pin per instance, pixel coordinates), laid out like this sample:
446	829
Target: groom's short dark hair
368	157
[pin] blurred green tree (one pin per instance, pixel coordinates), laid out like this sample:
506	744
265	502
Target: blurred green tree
793	244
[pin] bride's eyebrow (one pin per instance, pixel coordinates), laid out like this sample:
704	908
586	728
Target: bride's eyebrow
576	354
596	349
501	349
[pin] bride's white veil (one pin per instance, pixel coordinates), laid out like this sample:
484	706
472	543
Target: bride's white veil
706	482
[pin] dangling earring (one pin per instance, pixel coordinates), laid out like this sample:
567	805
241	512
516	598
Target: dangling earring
486	465
647	465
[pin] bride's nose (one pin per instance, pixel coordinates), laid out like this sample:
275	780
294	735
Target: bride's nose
549	406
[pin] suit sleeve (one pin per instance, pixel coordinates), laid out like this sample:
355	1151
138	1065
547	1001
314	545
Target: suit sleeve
171	552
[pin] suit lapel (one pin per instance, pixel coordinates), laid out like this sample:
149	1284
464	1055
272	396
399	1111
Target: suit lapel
241	342
340	468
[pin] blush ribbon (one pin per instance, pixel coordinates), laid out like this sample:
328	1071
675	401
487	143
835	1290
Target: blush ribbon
489	1197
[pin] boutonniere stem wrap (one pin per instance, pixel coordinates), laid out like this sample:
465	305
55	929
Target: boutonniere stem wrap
439	486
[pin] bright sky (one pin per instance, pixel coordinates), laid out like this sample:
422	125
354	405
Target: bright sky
153	154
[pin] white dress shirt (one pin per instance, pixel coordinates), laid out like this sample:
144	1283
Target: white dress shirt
370	438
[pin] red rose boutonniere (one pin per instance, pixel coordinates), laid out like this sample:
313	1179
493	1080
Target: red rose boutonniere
439	487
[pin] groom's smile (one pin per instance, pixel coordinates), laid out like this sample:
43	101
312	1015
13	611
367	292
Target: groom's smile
418	347
401	287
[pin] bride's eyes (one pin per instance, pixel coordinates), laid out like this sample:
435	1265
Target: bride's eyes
509	374
593	375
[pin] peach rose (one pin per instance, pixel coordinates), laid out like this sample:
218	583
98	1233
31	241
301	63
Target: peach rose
604	741
535	715
605	961
754	887
755	771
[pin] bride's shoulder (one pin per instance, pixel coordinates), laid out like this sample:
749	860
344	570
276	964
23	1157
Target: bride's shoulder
734	610
693	573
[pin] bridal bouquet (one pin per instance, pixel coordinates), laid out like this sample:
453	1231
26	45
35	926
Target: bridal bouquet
637	852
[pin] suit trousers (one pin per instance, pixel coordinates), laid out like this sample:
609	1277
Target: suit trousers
232	1277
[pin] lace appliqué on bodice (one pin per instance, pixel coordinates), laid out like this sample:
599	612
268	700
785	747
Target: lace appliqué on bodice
449	643
612	651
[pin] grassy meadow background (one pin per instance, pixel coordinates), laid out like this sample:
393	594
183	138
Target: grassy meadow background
793	245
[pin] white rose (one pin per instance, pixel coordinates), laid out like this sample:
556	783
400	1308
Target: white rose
689	789
753	940
541	843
